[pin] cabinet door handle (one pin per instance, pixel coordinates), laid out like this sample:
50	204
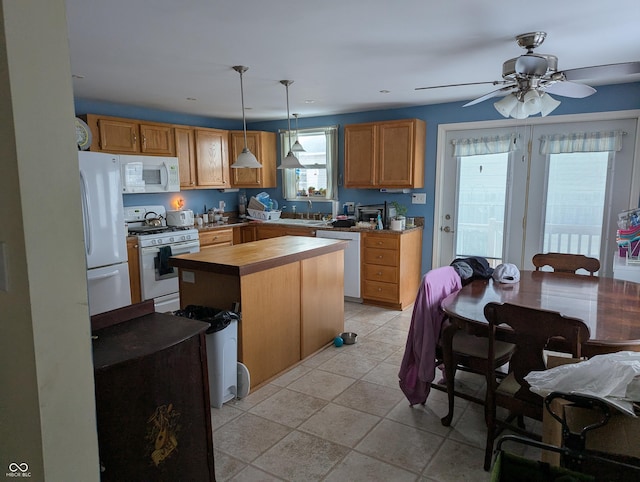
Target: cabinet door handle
144	141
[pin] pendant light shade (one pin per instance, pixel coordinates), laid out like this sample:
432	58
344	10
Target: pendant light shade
297	147
246	159
291	161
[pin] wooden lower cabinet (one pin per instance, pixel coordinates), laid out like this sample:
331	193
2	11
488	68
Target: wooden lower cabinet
152	400
216	237
391	267
264	231
244	234
133	260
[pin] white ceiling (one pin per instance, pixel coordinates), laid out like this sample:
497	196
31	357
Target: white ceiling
340	53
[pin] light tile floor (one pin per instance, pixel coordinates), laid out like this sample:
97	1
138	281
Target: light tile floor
340	416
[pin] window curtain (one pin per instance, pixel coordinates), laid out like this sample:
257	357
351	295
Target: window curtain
485	145
581	142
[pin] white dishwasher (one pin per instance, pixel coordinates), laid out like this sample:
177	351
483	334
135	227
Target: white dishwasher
351	260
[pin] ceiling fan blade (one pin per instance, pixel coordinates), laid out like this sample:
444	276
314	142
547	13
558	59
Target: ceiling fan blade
603	71
494	82
531	64
501	91
569	89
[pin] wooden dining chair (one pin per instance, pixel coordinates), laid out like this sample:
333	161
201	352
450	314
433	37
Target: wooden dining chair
530	330
469	354
424	348
566	263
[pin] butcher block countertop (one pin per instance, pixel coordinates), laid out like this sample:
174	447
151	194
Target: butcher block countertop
247	258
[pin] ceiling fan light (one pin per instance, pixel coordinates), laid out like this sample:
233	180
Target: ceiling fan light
290	162
531	103
506	105
547	104
246	159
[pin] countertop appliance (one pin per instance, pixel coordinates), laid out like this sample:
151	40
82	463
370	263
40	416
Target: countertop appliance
158	280
105	232
367	212
145	174
180	218
351	261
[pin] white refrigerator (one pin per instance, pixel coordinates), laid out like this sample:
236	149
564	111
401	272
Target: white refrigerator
105	232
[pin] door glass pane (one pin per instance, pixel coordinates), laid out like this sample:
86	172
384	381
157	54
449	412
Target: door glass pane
482	193
575	203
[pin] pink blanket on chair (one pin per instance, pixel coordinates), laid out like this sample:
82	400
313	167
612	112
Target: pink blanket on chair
417	370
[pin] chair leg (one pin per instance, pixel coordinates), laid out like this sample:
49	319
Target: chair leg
490	419
449	369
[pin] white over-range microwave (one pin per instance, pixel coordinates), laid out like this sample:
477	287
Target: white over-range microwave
145	174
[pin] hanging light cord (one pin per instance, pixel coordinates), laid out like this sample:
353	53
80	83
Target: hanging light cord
287	83
241	70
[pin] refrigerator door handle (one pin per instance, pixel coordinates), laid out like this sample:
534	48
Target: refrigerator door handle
93	277
85	213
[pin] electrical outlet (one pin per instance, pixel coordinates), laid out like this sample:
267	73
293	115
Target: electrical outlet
419	198
351	207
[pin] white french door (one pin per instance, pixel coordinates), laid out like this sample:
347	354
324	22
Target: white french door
507	206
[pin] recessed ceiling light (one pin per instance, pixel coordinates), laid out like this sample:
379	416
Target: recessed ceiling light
384	91
77	76
191	98
309	101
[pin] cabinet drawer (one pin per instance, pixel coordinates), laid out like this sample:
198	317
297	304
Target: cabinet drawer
373	272
216	237
387	257
385	242
380	291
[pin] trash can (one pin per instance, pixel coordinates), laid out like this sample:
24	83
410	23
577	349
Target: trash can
222	350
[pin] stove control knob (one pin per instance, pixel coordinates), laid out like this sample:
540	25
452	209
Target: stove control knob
171	239
158	241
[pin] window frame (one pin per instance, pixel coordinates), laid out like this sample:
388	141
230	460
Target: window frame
289	188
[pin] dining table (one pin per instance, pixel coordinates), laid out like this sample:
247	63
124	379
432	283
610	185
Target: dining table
608	306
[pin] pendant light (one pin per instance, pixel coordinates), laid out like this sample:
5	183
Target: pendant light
246	159
291	161
297	147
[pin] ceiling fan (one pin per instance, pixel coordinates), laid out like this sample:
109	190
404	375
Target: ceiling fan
530	78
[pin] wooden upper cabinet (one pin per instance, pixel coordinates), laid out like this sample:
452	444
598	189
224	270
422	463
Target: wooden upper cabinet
118	135
263	146
385	154
186	153
212	158
157	140
361	155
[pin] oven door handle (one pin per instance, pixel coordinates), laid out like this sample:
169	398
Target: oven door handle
176	249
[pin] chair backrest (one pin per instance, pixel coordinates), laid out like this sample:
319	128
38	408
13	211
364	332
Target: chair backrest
566	263
531	331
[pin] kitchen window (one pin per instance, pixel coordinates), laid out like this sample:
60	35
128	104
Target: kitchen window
319	180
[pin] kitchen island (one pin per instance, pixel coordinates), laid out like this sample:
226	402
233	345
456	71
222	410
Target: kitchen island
290	291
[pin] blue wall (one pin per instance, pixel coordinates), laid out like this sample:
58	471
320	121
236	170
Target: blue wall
607	98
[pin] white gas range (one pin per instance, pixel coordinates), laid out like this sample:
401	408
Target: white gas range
156	244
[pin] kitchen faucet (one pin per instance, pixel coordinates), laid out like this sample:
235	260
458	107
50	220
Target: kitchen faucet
309	206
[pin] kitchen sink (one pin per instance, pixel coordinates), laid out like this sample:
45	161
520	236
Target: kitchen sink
300	222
